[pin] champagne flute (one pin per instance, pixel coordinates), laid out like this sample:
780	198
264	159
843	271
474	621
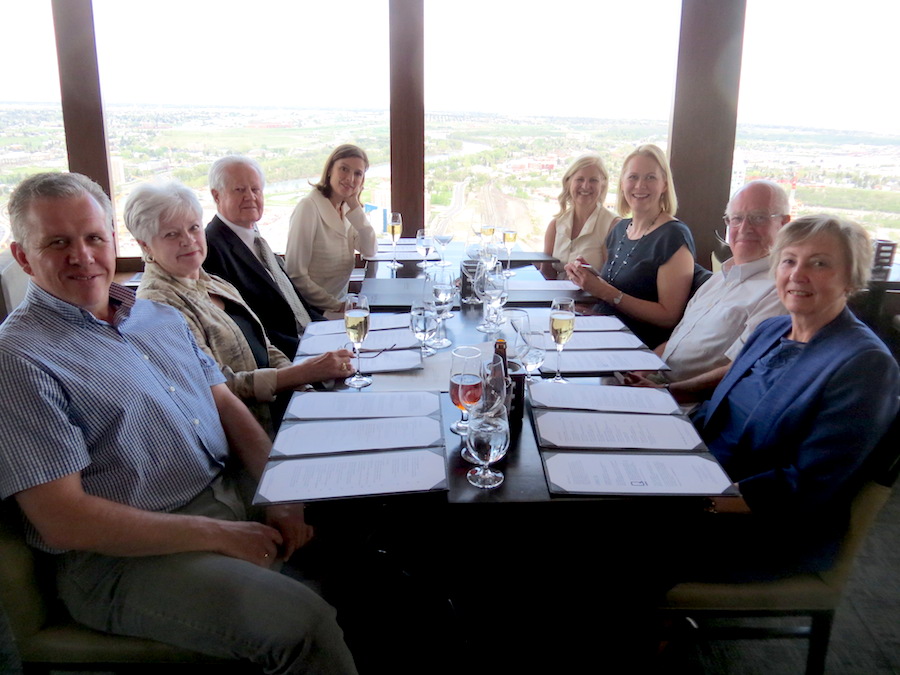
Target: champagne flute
356	323
395	229
424	242
423	323
465	384
562	325
509	240
487	441
441	241
487	232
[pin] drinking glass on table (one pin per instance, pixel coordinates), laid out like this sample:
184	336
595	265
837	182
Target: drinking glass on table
465	384
423	324
509	240
532	351
491	286
440	243
487	441
395	229
487	233
356	323
439	291
562	325
424	243
473	246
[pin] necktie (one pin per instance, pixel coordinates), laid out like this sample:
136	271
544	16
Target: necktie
284	284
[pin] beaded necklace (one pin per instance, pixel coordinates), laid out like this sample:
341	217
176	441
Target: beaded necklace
615	265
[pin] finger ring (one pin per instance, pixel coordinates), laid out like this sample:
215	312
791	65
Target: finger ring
346	366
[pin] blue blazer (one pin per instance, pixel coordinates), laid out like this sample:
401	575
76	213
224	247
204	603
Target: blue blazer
228	257
806	438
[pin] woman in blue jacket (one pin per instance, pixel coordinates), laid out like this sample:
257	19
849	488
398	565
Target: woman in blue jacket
803	405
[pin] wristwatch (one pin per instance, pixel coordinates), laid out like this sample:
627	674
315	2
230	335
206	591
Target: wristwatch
618	298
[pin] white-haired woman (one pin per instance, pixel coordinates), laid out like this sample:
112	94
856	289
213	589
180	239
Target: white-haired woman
328	227
166	220
581	226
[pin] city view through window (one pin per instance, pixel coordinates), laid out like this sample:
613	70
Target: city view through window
503	119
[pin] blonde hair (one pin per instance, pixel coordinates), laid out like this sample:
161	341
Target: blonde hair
340	152
590	159
668	202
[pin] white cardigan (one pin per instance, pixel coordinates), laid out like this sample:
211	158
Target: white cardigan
321	248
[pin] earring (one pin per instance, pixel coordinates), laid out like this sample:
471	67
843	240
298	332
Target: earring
148	257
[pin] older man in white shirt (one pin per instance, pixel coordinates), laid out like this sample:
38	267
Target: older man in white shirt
728	307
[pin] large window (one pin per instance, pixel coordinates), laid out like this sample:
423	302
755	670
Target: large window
32	138
818	107
279	80
514	93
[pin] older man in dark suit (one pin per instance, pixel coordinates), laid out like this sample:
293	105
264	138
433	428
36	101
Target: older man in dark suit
240	255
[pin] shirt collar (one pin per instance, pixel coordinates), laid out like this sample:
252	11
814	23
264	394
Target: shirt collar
745	271
245	234
120	297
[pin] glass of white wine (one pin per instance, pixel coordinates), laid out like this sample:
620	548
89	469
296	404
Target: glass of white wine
395	229
509	240
562	325
356	323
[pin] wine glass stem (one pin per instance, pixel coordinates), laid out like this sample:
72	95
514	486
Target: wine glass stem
558	362
356	347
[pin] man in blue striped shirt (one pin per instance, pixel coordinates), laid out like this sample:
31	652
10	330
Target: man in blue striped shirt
121	447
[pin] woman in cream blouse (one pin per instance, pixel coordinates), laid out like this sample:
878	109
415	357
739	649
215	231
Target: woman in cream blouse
581	226
166	220
327	227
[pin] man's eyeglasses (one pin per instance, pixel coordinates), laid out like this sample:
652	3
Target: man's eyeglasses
754	219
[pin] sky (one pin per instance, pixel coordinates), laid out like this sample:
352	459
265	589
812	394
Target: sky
820	63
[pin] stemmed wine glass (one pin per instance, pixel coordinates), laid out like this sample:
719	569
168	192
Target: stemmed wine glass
562	324
509	239
490	285
423	323
424	242
532	352
465	384
487	441
441	241
439	291
487	233
395	229
356	323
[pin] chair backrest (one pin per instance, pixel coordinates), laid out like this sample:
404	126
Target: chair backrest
21	592
13	284
701	276
881	469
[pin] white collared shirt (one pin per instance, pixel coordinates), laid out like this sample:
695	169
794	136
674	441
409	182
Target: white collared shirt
245	234
720	317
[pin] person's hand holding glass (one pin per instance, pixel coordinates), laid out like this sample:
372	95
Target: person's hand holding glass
423	324
562	325
465	384
356	323
395	229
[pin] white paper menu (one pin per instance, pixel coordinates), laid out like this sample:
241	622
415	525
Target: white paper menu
603	398
352	475
633	474
604	361
339	436
593	430
317	405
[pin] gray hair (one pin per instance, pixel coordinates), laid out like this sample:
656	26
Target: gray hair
151	204
851	236
52	186
780	200
217	170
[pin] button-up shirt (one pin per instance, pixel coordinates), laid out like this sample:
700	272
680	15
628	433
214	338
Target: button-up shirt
127	403
720	317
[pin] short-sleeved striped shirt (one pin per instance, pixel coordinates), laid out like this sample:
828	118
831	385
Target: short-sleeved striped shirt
127	403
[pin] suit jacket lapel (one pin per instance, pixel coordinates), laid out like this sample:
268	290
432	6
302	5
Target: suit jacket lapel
245	255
